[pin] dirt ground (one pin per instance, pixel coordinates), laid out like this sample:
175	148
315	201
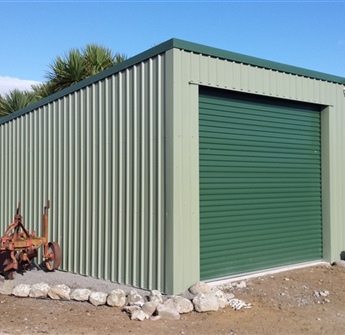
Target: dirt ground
283	303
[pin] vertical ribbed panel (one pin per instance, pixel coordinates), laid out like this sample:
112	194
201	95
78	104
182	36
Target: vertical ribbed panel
98	155
182	176
219	73
234	76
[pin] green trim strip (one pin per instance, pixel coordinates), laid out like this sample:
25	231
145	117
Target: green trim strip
183	45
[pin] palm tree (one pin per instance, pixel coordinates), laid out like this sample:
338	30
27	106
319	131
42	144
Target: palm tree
99	58
2	112
64	71
15	100
78	65
67	70
43	90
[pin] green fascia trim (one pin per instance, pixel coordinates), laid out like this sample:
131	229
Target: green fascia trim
183	45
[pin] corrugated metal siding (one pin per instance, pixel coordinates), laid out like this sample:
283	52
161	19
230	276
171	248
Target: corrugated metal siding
182	195
260	184
197	69
214	72
99	155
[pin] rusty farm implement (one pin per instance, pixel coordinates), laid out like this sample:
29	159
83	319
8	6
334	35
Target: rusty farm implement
18	247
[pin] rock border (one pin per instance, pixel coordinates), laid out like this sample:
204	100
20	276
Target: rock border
155	306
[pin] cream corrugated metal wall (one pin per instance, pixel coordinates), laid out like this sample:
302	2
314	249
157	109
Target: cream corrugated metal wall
99	155
193	69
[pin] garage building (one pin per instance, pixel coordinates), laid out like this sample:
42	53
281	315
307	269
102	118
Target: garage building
183	163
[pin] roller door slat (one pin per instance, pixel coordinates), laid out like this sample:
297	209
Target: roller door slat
260	183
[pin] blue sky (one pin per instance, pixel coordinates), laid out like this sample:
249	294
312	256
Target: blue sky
309	34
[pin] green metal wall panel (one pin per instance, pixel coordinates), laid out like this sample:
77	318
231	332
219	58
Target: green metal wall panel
182	171
260	183
98	154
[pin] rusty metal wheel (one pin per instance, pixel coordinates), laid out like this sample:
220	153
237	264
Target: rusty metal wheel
54	256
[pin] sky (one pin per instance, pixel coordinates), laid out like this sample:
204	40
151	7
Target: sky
308	34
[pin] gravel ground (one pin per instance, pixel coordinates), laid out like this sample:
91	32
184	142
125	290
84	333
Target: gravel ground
37	275
287	303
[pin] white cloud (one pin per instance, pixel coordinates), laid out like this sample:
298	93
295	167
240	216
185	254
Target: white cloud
9	83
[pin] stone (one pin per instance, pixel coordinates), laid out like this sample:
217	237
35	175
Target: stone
149	307
39	290
181	304
136	313
242	284
324	293
156	296
188	295
200	287
224	287
170	302
229	296
6	288
98	298
59	292
80	294
139	315
205	302
316	294
168	313
116	298
21	290
134	298
155	318
131	309
222	300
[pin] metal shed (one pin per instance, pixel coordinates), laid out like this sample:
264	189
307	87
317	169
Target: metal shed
183	163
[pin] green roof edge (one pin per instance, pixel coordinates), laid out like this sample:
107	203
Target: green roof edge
183	45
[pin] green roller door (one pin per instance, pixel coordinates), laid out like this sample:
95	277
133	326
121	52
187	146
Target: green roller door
260	183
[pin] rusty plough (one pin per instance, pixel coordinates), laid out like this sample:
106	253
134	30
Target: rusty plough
18	247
